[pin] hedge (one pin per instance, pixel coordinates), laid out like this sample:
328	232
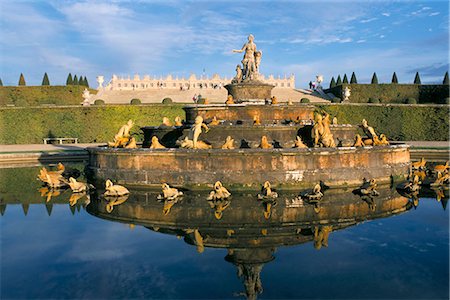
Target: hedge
394	93
29	125
100	123
398	122
39	95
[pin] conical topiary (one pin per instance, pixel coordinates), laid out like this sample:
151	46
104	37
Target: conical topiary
86	83
75	80
22	80
445	81
69	80
339	81
45	80
353	79
374	79
345	79
394	78
1	83
417	79
332	83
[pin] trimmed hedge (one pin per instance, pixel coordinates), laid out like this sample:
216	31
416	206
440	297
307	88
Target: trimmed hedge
42	95
167	101
135	101
101	123
398	122
89	124
394	93
304	100
99	102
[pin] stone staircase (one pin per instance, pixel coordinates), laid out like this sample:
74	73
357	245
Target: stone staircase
213	95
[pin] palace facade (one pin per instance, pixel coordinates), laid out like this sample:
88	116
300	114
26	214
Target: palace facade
193	82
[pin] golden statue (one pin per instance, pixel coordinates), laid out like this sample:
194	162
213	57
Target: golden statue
131	143
299	143
169	193
264	143
219	192
114	190
178	121
196	130
369	131
214	122
368	188
419	165
314	195
156	144
266	192
53	179
358	141
229	143
441	179
122	138
168	206
78	187
335	121
383	140
256	120
441	168
321	131
289	102
189	144
274	100
230	100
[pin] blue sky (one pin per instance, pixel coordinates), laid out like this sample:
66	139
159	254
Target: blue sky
183	37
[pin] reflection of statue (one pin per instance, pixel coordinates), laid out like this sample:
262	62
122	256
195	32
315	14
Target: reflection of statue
114	201
321	236
219	206
250	71
114	189
78	187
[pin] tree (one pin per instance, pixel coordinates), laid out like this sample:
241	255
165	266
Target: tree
332	83
75	80
353	79
1	83
86	83
345	80
417	79
22	80
339	81
69	80
81	80
445	81
394	78
45	80
374	78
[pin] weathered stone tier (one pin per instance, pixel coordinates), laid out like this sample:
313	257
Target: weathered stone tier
249	168
246	135
268	114
250	91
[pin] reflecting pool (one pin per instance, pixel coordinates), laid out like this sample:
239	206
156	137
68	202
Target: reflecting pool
55	244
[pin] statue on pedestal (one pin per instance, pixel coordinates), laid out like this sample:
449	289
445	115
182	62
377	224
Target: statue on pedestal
250	62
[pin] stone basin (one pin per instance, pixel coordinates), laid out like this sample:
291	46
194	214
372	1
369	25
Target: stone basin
249	168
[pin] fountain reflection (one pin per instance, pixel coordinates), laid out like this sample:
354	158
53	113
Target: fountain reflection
251	237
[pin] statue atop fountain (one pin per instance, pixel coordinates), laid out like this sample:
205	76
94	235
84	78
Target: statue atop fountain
246	86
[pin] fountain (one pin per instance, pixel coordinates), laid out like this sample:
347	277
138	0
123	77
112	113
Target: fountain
194	155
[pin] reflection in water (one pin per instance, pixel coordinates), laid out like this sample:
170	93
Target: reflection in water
249	228
251	237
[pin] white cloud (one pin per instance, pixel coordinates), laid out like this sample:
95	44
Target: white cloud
361	41
368	20
434	14
386	14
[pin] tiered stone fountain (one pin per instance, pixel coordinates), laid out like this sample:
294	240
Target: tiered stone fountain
248	115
